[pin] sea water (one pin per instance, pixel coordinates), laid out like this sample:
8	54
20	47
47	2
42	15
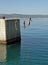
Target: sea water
33	48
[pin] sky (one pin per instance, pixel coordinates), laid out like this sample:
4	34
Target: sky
24	7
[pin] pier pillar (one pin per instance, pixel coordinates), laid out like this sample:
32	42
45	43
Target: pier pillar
9	30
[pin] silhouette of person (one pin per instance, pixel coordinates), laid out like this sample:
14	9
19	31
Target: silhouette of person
29	21
16	25
24	25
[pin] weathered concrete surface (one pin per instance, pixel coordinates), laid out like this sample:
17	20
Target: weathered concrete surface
9	31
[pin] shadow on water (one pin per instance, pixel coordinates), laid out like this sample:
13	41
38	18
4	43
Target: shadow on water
10	54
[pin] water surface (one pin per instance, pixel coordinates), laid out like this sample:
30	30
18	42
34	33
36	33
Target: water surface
33	49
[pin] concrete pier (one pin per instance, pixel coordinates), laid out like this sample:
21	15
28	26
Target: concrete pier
9	30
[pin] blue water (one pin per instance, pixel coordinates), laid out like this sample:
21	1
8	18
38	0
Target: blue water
33	48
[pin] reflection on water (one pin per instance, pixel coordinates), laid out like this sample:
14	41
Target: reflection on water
9	54
3	52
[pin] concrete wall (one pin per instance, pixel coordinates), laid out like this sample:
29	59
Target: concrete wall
2	30
12	29
9	30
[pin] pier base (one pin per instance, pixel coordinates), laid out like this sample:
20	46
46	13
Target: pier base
10	41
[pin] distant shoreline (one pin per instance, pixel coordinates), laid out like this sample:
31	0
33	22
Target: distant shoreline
23	16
